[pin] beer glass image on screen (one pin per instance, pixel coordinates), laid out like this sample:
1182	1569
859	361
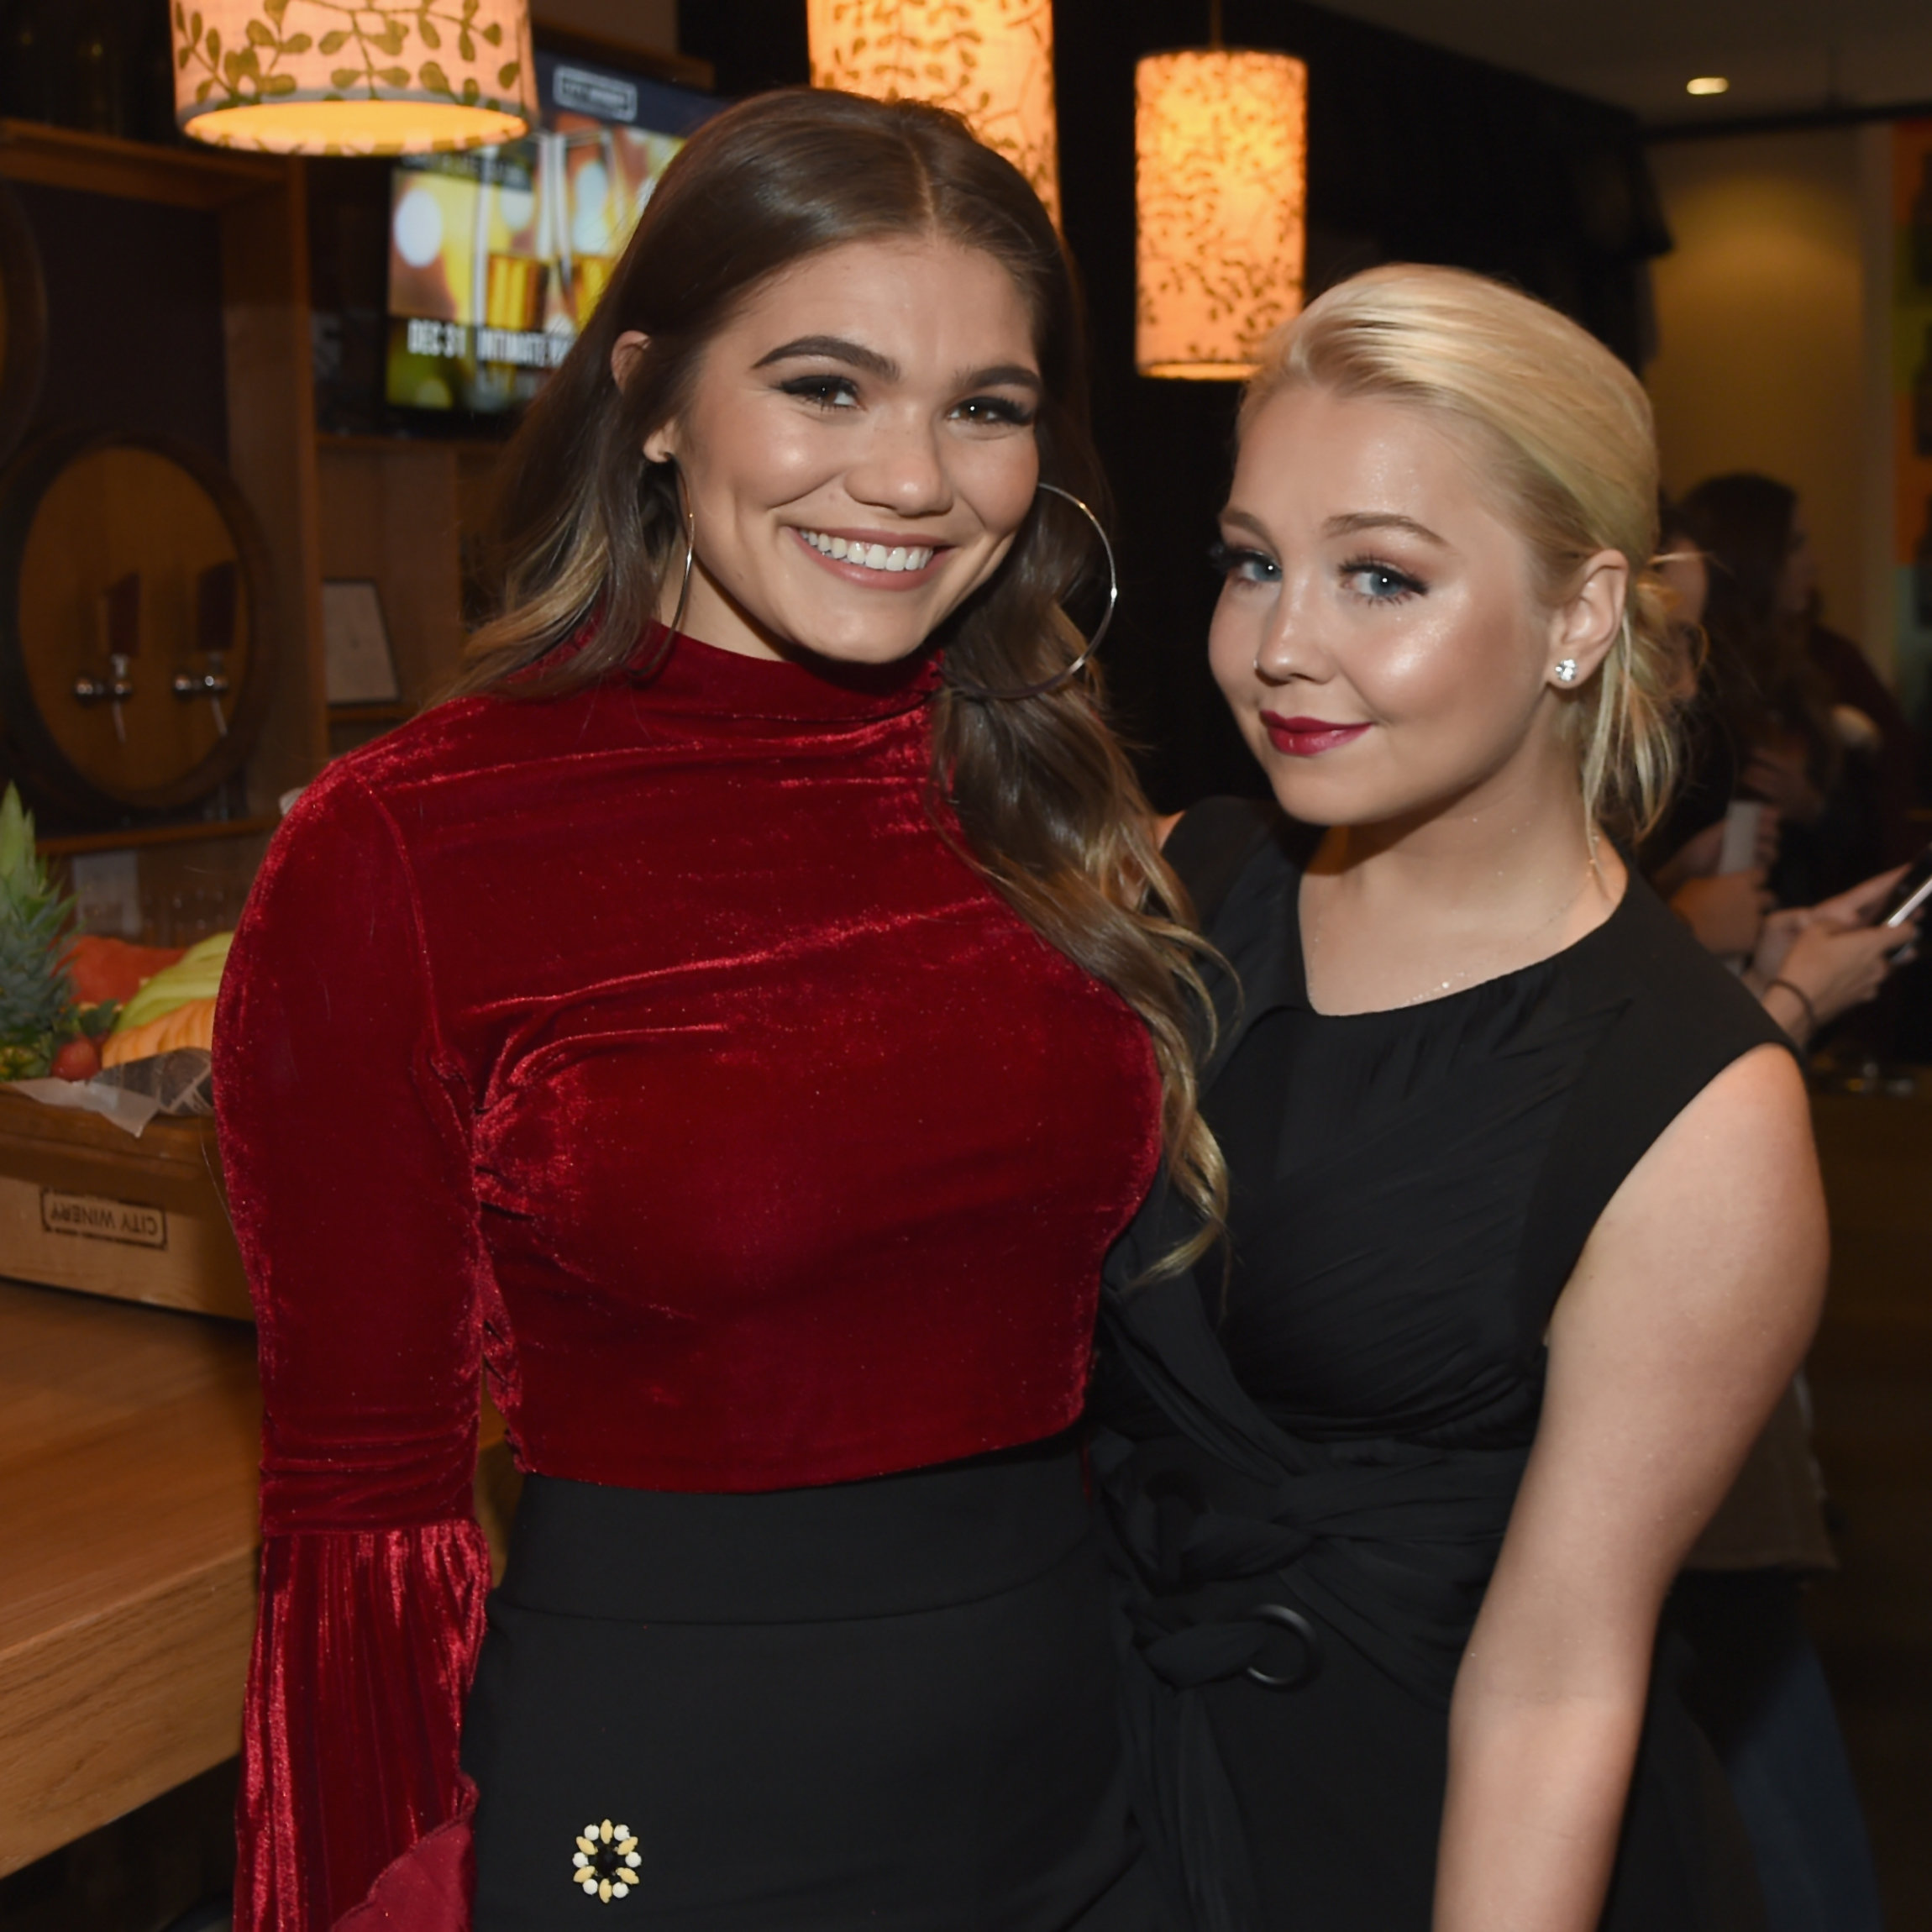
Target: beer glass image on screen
497	256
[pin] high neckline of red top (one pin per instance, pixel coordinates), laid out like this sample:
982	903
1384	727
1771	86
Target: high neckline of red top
692	675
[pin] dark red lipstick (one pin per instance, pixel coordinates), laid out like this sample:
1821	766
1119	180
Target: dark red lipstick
1308	738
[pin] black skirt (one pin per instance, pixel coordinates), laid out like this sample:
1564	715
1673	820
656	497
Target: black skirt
888	1704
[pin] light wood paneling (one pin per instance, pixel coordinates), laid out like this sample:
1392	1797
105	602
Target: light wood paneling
389	513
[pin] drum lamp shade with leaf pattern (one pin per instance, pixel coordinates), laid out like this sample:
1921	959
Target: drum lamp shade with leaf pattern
1220	153
375	77
990	61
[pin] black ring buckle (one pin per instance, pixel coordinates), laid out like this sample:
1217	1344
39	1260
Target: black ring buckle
1292	1621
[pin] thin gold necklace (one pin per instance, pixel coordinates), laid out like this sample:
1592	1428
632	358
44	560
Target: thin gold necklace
1469	974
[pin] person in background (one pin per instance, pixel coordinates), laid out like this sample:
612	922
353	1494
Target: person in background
1682	854
1841	963
1525	1231
1757	1688
1793	713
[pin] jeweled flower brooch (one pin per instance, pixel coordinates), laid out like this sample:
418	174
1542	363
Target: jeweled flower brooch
606	1861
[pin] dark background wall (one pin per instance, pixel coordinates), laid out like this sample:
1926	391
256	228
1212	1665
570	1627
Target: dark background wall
1414	154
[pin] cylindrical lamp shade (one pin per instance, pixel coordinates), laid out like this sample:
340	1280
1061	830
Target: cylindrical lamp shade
1220	153
381	77
990	61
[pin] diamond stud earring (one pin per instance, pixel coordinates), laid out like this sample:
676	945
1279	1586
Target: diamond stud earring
1566	671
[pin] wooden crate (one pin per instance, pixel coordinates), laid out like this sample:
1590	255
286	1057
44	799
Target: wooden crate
85	1206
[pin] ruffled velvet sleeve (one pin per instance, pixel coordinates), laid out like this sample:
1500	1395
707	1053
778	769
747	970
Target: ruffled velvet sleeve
345	1137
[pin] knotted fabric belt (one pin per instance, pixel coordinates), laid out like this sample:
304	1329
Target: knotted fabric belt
1243	1550
1387	1546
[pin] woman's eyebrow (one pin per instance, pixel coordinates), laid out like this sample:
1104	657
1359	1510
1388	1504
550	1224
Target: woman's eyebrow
1243	521
1015	374
1355	520
833	349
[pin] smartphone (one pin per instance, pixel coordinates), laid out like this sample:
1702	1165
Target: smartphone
1739	852
1910	894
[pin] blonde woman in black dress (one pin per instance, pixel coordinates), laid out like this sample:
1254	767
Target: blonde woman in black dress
1526	1230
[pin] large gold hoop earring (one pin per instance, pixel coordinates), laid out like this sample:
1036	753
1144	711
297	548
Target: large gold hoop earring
1093	644
689	518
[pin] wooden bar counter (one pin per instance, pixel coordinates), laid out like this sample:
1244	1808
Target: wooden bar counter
129	1427
128	1437
128	1449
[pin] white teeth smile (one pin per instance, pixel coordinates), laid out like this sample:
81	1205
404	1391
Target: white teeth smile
870	556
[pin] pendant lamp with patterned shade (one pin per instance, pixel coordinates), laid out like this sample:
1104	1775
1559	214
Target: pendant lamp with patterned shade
371	77
991	61
1220	154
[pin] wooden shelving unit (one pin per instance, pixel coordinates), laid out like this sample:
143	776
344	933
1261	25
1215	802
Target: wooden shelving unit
198	831
258	200
257	203
389	509
207	178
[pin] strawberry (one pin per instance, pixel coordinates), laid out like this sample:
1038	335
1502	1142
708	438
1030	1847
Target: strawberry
77	1060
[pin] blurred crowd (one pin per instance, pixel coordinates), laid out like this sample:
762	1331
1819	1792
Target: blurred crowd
1782	852
1796	806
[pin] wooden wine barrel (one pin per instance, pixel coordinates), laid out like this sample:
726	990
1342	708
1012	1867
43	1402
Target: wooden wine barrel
134	665
23	321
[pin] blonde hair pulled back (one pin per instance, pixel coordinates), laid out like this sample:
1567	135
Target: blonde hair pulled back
1562	440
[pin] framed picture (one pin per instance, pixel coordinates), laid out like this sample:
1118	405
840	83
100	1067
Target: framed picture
360	666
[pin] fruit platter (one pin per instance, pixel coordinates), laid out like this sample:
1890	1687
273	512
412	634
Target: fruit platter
72	1006
110	1179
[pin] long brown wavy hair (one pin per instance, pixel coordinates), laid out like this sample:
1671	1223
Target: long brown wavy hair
587	532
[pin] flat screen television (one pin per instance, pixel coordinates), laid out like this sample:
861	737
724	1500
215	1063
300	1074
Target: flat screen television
497	256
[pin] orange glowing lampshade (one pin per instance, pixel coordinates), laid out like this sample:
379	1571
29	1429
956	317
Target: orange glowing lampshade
991	61
374	77
1220	158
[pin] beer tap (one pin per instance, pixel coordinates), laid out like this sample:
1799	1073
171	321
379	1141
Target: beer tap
120	617
216	595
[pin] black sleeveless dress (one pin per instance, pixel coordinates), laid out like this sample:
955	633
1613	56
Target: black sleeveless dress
1311	1464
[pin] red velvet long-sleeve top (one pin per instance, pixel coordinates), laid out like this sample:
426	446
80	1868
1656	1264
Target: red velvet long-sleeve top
650	1048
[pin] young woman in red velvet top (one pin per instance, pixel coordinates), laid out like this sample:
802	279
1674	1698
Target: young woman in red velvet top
737	1030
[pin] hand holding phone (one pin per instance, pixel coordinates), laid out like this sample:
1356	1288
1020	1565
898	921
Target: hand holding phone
1830	969
1906	899
1744	826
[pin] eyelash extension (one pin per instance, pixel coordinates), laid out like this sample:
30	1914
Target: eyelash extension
1406	585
